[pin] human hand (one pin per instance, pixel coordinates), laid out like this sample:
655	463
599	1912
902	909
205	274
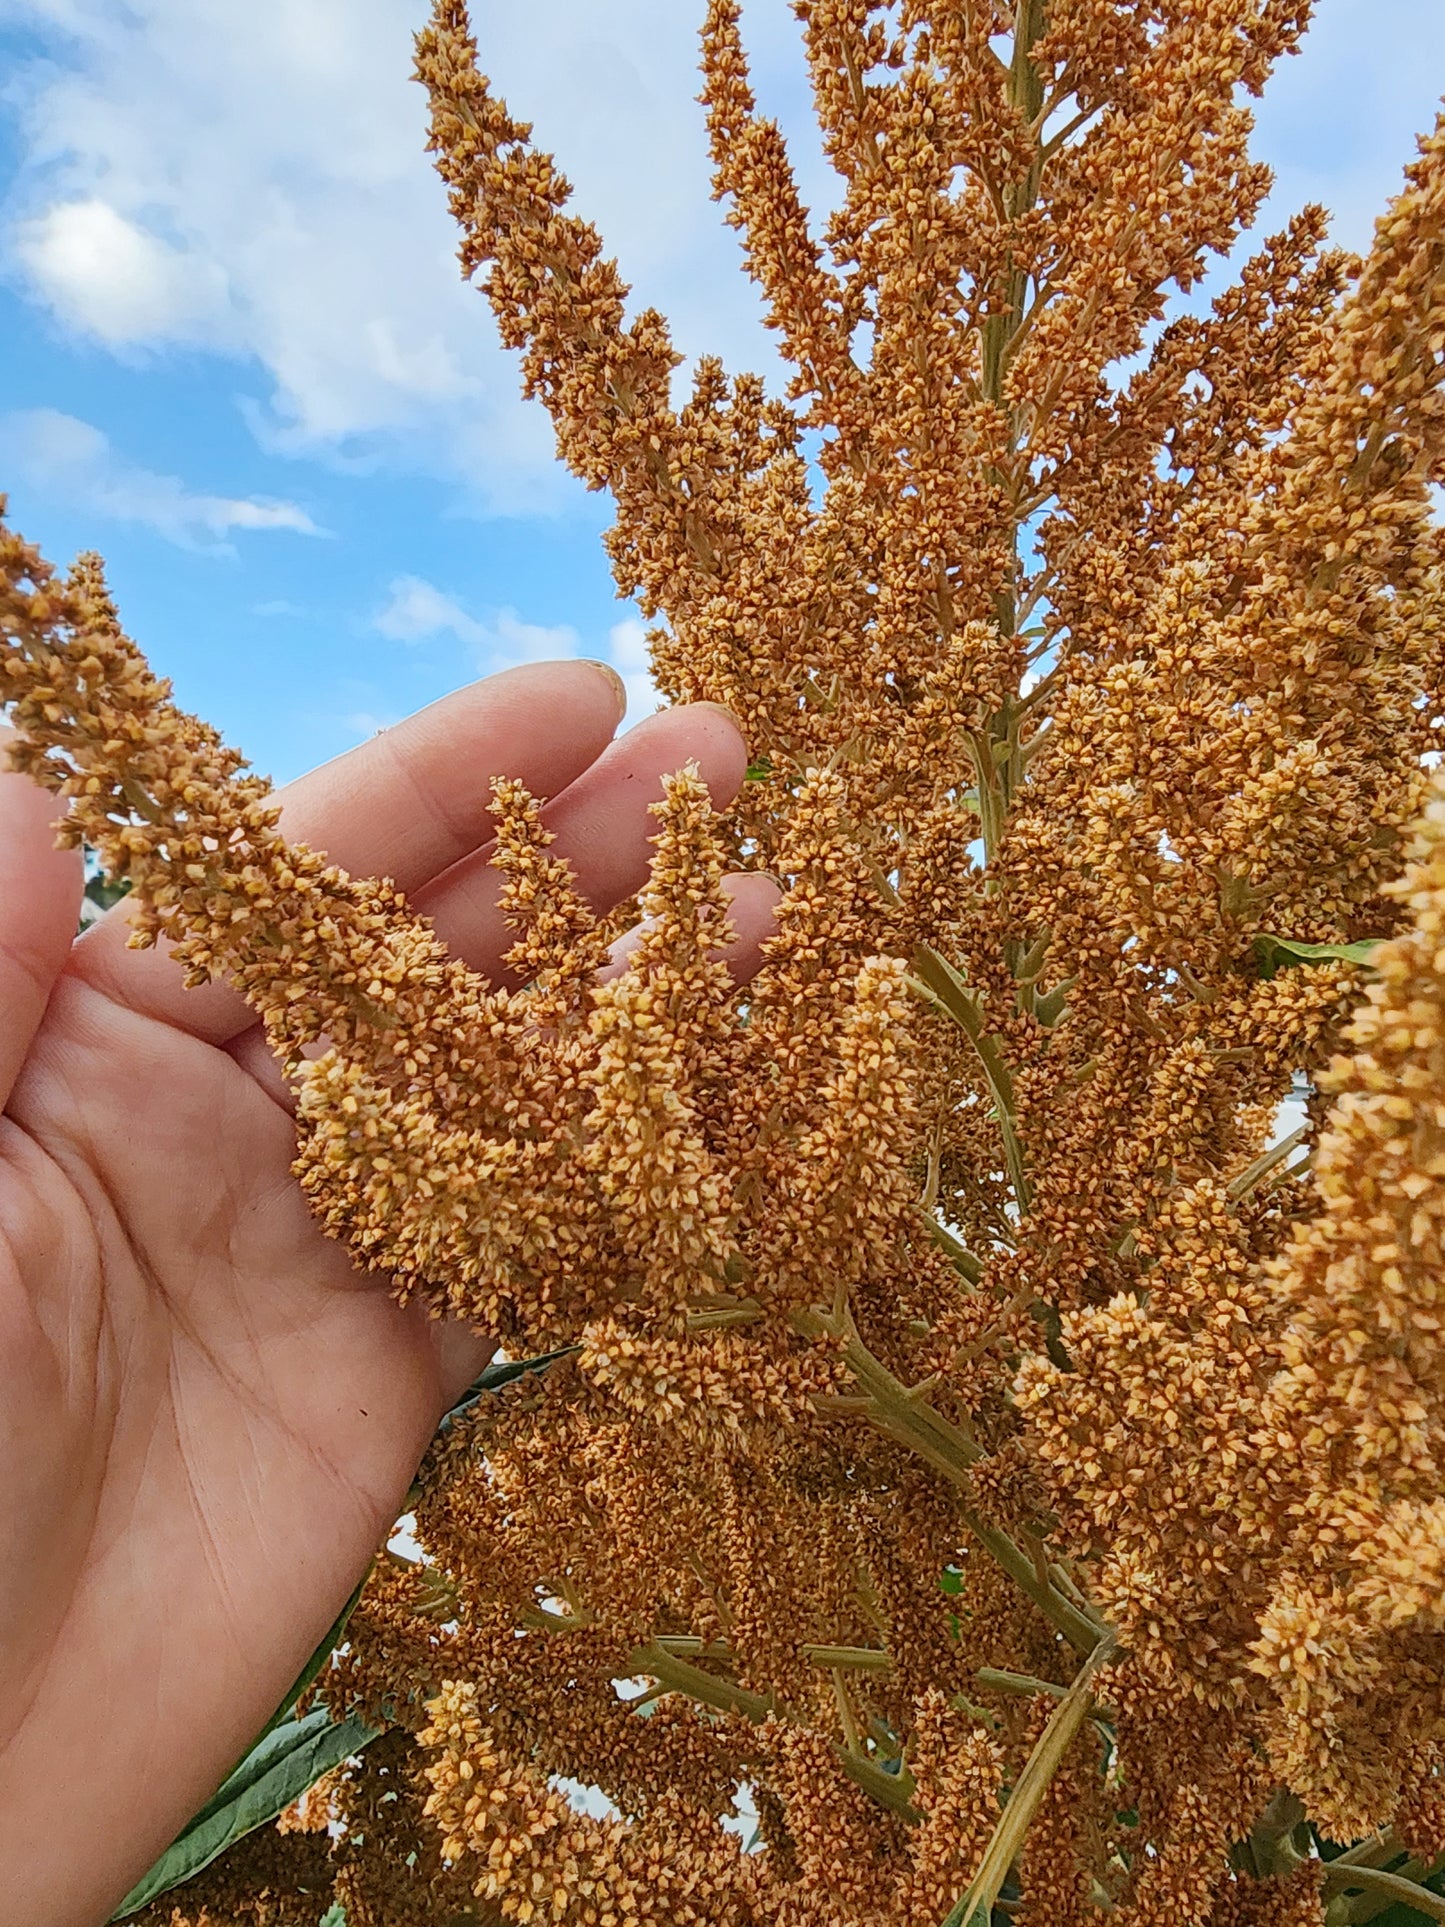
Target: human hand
208	1418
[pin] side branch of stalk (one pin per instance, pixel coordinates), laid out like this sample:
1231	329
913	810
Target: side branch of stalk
861	1659
1381	1891
1079	1628
905	1416
975	1907
1026	1686
1372	1852
1254	1174
891	1790
1272	1846
939	984
968	1263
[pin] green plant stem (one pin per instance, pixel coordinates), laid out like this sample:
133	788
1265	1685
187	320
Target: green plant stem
938	983
1025	1686
1381	1846
970	1266
1389	1888
708	1318
891	1790
1080	1628
853	1659
906	1417
976	1904
1271	1845
1253	1174
723	1695
845	1713
862	1659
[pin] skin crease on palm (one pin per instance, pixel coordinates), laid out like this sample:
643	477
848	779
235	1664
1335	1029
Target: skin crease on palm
209	1419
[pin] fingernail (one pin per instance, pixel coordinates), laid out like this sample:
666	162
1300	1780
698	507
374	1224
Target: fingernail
619	687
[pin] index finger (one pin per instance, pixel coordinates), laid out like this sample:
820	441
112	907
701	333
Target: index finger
407	804
40	888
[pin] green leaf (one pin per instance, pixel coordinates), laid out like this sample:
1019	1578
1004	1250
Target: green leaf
981	1916
335	1916
290	1755
951	1581
759	769
100	893
317	1660
496	1376
1278	953
277	1770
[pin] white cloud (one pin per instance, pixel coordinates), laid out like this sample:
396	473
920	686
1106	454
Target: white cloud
514	640
65	459
418	611
627	652
249	177
107	277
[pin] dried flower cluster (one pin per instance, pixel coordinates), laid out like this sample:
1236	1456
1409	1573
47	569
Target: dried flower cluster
974	1442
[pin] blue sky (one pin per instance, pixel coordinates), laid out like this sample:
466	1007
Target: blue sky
237	358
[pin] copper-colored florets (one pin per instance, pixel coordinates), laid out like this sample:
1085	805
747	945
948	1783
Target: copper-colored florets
954	1306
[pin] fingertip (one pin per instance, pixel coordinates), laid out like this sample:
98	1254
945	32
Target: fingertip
754	894
587	695
728	715
617	688
728	725
41	889
753	906
753	899
412	803
705	734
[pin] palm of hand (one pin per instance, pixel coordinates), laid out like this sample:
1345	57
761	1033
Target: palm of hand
217	1417
208	1419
